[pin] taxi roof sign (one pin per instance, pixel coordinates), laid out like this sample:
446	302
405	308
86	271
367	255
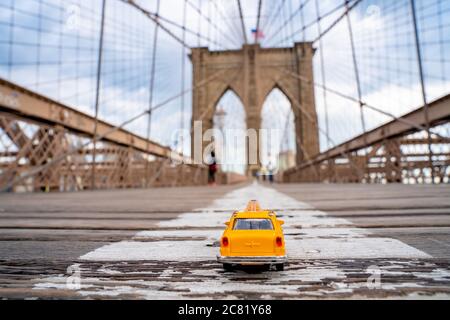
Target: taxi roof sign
253	206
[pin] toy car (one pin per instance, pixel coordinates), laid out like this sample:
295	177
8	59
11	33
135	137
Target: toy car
253	237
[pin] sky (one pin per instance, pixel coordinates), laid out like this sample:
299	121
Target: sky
51	46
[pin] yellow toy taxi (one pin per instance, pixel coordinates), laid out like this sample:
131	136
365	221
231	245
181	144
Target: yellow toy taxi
253	237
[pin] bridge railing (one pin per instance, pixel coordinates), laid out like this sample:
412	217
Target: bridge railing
30	145
396	152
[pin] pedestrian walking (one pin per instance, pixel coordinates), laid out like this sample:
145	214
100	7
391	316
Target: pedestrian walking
212	169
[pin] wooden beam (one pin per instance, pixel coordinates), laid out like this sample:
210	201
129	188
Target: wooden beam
438	110
24	103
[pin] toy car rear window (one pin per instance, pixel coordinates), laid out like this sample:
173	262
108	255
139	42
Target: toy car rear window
253	224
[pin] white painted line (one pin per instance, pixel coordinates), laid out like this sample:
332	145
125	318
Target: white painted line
352	248
161	251
310	234
315	235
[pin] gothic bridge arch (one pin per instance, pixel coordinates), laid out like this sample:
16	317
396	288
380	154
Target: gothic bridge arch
252	73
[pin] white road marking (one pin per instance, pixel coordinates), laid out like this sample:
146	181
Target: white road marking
310	234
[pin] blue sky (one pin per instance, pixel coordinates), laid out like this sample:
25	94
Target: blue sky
54	45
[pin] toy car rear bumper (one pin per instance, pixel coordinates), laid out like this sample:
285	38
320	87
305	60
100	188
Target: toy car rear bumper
253	260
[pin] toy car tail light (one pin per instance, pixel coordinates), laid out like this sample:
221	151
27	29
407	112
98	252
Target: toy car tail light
225	242
279	242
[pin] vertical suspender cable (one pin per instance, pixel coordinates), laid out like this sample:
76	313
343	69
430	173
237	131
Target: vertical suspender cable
209	15
441	42
283	31
422	84
291	23
97	92
242	21
322	68
38	49
150	97
183	76
322	64
11	39
358	87
199	23
60	54
258	21
302	18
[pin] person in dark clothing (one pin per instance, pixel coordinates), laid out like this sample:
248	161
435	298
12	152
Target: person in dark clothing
271	172
212	169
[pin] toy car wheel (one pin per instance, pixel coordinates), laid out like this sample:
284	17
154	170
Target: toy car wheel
227	267
279	267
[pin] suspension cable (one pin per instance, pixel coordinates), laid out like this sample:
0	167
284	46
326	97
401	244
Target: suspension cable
150	99
273	16
422	87
311	24
322	68
258	19
199	12
368	106
242	21
299	9
97	92
231	25
314	122
348	9
358	87
38	169
183	75
156	20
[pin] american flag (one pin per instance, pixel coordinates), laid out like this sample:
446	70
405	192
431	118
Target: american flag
257	33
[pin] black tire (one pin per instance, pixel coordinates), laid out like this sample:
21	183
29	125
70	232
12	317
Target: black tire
280	267
227	267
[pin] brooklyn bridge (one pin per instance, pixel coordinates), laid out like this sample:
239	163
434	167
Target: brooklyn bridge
131	130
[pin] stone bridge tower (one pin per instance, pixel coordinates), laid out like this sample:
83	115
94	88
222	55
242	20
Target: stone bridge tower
252	73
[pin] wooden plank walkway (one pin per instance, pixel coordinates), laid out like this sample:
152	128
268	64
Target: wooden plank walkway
43	237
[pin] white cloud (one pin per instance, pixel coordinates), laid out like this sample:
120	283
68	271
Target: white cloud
121	102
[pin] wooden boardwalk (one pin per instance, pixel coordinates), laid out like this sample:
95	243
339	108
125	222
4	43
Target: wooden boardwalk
109	236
